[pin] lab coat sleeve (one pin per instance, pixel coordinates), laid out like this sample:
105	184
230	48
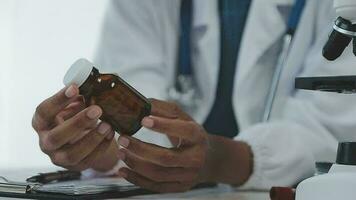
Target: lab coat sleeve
134	44
284	153
286	149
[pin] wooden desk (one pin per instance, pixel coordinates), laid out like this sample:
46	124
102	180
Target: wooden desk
220	192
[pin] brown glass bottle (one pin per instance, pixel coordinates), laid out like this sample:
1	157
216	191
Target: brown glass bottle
123	107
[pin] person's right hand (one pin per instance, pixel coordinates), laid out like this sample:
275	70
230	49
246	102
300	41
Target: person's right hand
70	134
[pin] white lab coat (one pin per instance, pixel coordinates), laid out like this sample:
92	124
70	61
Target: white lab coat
139	42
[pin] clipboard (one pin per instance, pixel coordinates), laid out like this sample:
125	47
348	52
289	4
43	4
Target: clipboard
105	195
27	191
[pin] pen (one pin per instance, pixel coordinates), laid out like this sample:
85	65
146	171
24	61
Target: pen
54	176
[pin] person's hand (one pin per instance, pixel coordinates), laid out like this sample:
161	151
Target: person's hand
70	134
166	169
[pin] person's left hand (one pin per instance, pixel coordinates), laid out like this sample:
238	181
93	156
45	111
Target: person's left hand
162	169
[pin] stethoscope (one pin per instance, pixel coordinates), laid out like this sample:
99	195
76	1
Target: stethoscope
184	91
292	26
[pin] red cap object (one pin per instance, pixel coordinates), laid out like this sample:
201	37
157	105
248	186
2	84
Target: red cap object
282	193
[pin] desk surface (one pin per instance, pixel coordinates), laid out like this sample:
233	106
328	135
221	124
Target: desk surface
220	192
214	193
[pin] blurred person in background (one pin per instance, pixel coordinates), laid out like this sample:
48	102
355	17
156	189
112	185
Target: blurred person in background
219	135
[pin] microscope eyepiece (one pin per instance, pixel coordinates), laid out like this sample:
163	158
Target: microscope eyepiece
343	24
338	41
336	45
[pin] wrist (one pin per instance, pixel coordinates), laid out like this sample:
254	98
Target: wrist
227	161
208	172
246	162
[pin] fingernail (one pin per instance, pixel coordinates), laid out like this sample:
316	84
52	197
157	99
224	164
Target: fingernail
94	113
122	174
110	136
121	155
124	142
147	122
104	128
70	92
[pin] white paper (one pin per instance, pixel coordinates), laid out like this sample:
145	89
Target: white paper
90	186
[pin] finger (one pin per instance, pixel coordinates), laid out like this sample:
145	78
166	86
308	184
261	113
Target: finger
167	109
162	187
92	158
71	110
71	155
187	130
153	153
96	155
48	109
156	172
68	130
79	136
177	142
111	135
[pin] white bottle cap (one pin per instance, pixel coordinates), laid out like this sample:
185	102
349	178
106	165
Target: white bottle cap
78	72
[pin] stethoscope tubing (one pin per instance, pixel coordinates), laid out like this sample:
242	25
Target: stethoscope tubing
282	60
287	40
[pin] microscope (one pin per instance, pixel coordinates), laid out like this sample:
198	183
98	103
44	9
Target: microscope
340	180
344	30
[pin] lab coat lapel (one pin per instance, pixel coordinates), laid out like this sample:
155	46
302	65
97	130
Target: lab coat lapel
206	33
257	36
302	40
263	32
